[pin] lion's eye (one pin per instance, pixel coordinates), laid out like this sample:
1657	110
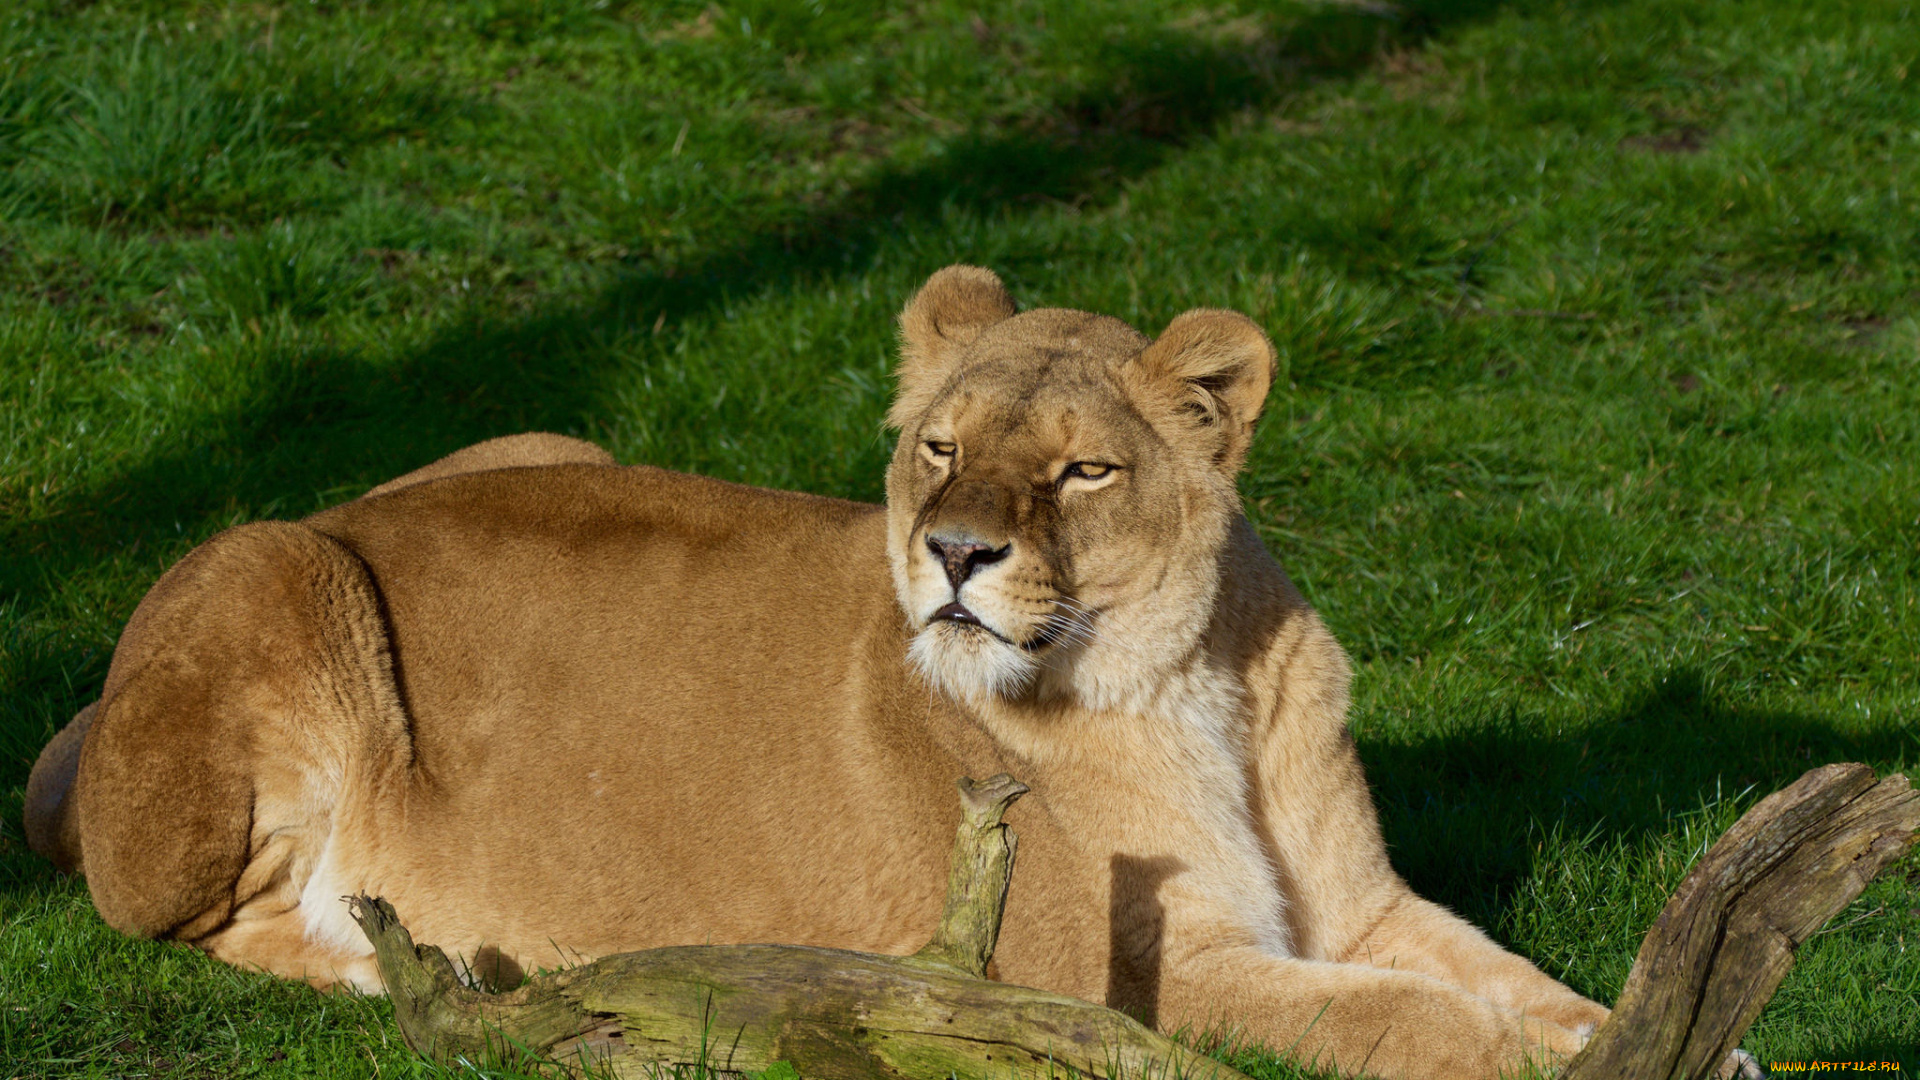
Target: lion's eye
941	449
1087	470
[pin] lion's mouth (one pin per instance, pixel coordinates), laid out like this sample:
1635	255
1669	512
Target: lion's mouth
1051	632
958	612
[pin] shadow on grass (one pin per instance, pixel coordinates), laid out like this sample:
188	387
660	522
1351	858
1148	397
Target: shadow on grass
332	421
1466	812
1462	809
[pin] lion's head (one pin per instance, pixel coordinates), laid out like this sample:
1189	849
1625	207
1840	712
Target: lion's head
1062	488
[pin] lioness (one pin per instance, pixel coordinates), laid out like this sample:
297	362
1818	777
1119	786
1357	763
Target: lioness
554	708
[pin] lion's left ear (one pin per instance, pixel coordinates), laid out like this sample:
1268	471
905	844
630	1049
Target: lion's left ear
1214	367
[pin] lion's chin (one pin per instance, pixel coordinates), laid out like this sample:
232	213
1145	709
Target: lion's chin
971	663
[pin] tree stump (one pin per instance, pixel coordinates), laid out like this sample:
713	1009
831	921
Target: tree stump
1721	946
830	1013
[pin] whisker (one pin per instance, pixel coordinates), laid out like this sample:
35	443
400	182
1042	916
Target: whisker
1074	621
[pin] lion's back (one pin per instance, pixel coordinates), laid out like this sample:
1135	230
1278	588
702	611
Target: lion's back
616	669
581	593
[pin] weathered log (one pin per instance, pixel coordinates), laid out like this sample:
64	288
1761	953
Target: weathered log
832	1014
1724	942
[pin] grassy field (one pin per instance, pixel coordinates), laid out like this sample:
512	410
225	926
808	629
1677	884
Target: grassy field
1596	442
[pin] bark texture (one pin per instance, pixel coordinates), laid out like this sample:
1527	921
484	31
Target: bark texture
832	1014
1721	946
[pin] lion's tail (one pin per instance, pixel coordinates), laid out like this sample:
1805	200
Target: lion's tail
53	829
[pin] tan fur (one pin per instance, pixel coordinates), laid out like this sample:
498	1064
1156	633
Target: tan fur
553	708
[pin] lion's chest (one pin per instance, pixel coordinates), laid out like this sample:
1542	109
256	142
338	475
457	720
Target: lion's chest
1138	848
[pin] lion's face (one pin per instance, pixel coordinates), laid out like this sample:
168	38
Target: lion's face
1062	488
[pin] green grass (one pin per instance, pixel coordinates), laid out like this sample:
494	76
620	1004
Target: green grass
1596	443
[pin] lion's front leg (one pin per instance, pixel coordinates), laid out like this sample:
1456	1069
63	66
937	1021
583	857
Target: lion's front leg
1357	1018
1346	905
1413	934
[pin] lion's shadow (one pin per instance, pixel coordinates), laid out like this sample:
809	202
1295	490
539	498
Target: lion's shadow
1469	813
1464	811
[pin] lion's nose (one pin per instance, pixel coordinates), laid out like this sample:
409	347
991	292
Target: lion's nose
961	556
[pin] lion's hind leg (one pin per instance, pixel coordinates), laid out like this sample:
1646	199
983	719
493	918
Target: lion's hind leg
265	937
251	716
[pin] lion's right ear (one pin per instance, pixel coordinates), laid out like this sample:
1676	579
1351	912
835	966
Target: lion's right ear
941	320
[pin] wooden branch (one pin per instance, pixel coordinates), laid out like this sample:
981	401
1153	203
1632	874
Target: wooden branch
832	1014
1725	941
978	877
